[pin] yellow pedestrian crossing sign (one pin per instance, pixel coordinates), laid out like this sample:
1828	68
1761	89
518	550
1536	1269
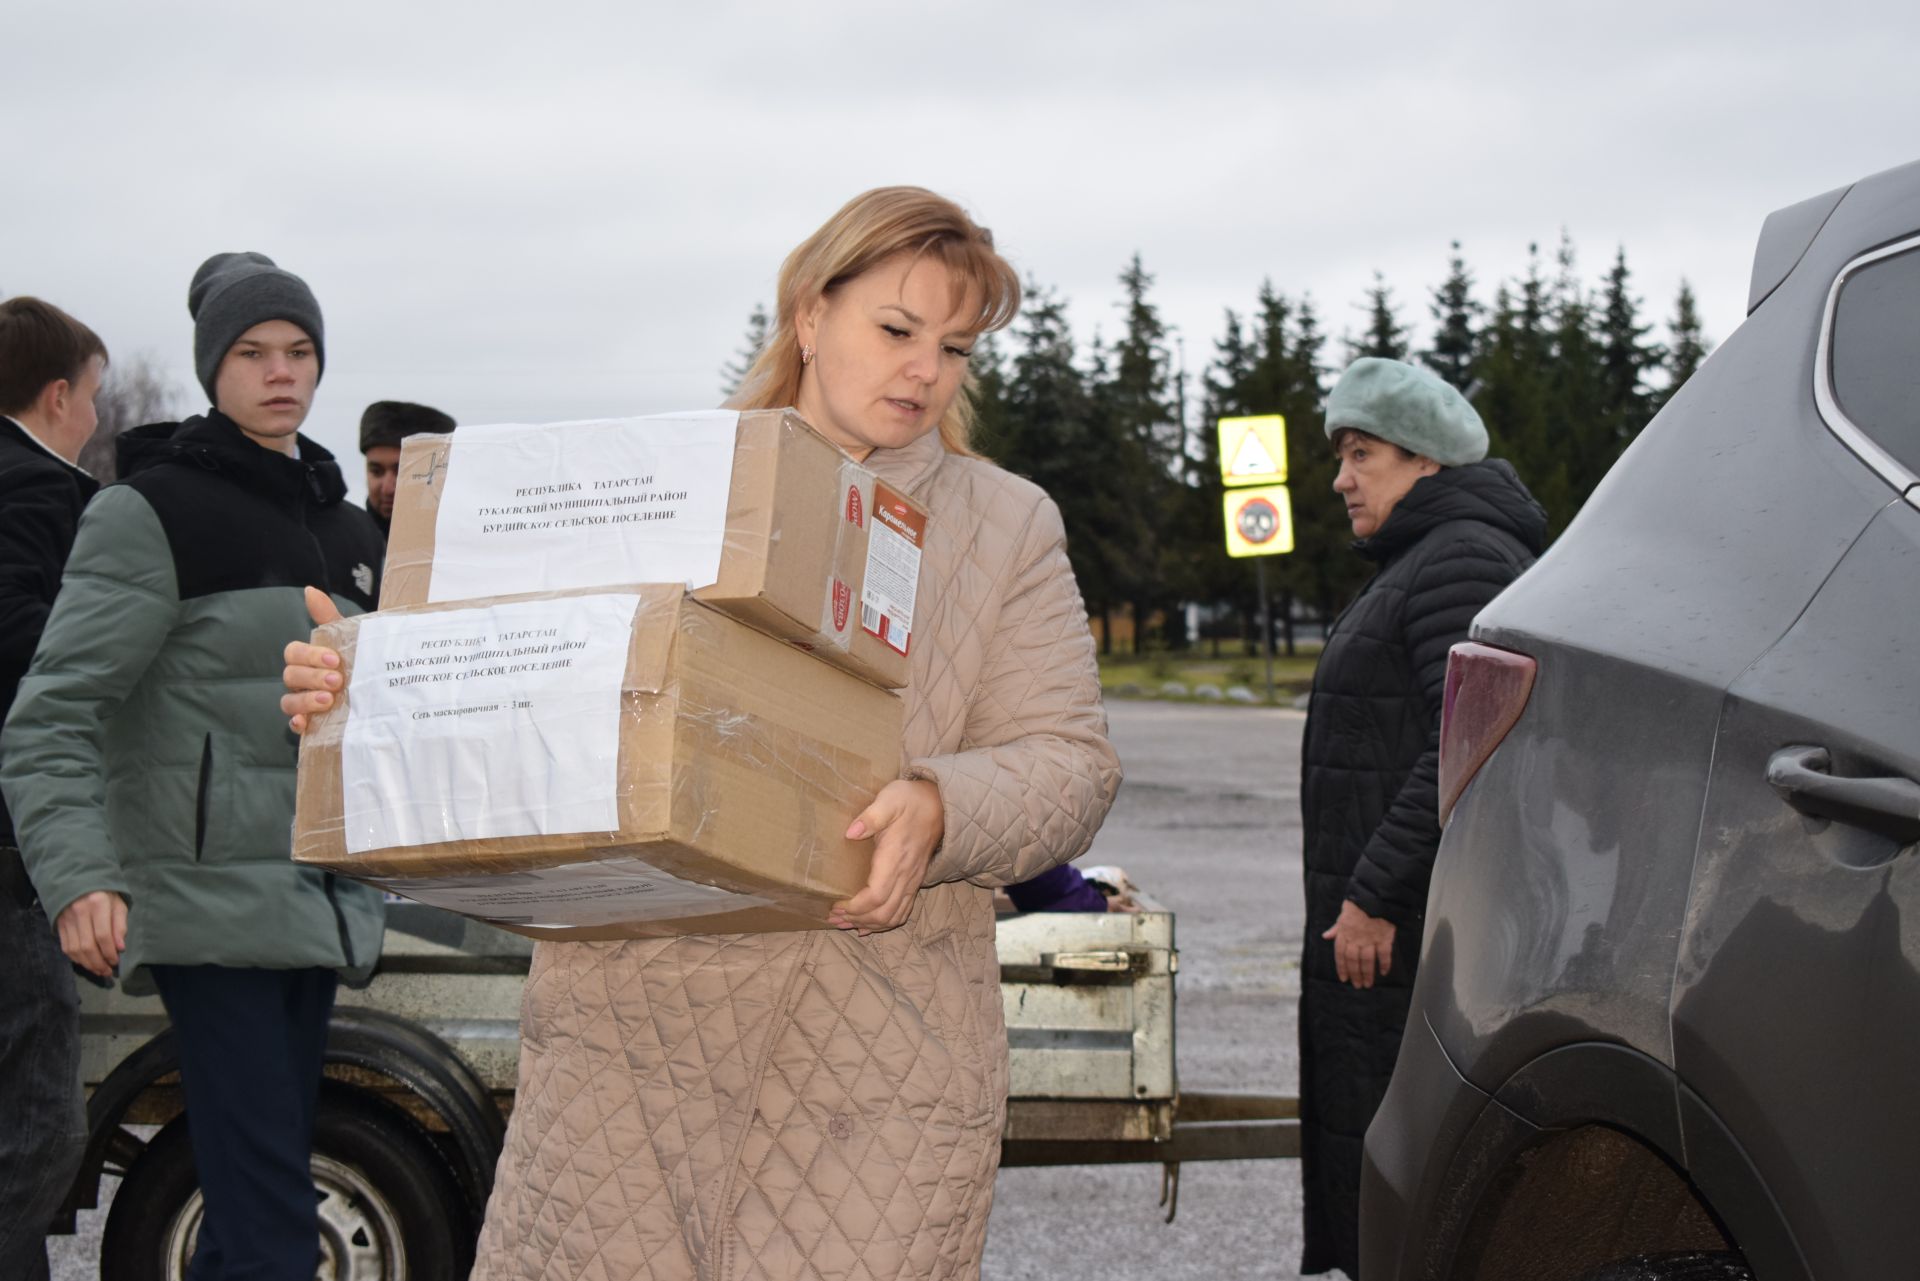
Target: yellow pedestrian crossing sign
1253	451
1259	521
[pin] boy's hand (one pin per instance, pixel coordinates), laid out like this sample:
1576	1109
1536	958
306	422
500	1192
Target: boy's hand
93	931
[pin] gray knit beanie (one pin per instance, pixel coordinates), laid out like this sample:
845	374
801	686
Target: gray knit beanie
231	293
1407	406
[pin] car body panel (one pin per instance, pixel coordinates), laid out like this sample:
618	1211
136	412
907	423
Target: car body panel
1619	873
1554	916
1784	238
1405	1183
1797	1000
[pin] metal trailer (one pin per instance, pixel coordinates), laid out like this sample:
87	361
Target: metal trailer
421	1067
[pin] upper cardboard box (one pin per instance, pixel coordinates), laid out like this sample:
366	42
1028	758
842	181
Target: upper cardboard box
601	763
763	517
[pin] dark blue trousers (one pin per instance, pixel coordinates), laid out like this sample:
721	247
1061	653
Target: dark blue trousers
252	1043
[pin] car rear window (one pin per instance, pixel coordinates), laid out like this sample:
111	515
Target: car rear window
1876	354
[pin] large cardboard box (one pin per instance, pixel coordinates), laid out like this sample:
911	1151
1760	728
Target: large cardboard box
594	764
815	550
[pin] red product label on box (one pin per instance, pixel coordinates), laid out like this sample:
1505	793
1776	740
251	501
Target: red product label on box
855	512
842	602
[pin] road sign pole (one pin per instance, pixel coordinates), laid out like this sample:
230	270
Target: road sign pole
1266	621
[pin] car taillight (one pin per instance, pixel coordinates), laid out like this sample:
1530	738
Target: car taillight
1487	689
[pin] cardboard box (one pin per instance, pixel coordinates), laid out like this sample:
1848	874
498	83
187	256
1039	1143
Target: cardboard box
731	766
816	551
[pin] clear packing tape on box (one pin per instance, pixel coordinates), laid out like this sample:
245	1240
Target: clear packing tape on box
595	763
760	516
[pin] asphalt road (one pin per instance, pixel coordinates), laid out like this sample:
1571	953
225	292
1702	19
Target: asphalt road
1209	824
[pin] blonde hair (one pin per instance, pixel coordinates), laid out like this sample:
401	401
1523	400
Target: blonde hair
868	230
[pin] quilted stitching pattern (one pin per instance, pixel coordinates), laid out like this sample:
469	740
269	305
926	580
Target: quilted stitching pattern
815	1105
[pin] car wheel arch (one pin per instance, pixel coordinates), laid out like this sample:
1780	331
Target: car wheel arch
1604	1108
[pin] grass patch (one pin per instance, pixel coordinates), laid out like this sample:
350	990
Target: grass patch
1142	675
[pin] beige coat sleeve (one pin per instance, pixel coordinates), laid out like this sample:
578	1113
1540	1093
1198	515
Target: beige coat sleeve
1036	775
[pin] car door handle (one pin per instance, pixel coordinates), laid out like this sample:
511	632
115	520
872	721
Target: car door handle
1887	806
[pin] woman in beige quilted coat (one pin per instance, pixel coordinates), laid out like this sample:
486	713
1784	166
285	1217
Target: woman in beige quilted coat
828	1103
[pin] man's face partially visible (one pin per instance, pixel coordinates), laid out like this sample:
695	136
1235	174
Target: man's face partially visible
383	475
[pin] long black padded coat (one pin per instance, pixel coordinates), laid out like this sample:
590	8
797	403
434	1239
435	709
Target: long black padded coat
1369	799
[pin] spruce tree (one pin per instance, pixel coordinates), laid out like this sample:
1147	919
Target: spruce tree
1532	308
1188	548
995	432
734	372
1058	448
1113	525
1456	318
1136	409
1141	389
1628	359
1512	373
1385	335
1579	429
1687	345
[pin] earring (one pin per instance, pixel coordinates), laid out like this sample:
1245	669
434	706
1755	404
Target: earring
806	354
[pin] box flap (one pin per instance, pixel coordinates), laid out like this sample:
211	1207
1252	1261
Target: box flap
416	506
654	625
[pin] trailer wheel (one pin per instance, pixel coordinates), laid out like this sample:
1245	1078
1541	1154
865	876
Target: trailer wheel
1692	1265
389	1208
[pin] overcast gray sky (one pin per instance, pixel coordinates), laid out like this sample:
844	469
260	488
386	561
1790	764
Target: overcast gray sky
561	210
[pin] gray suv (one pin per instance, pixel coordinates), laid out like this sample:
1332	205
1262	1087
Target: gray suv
1667	1022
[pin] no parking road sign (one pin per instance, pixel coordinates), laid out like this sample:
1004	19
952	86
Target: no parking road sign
1259	521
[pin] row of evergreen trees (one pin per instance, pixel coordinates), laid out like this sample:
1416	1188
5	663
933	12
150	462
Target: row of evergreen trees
1120	435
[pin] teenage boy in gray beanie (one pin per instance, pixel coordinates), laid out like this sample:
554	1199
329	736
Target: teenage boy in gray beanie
385	424
1448	528
152	781
231	293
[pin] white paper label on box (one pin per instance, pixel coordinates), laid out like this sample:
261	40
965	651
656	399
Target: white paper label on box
601	503
503	720
610	891
892	577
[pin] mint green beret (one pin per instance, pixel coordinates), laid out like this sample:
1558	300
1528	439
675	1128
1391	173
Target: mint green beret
1408	406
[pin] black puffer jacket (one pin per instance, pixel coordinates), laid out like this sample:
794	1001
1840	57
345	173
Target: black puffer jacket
1369	799
41	497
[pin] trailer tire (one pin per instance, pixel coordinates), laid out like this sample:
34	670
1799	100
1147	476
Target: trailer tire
1691	1265
390	1209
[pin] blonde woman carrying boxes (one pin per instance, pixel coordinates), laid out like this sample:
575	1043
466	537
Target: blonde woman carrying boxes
828	1103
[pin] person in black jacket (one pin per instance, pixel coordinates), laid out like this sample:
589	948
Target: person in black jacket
1448	529
50	371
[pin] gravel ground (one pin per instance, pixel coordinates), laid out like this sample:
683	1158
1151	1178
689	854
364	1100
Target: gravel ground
1209	824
